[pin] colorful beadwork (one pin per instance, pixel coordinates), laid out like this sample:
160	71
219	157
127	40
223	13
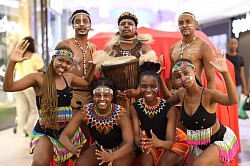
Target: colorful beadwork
63	53
64	114
102	121
104	90
152	110
179	66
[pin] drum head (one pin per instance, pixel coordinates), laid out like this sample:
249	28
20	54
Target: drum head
118	60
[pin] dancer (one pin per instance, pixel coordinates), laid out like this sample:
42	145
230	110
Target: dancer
212	142
109	125
193	48
83	51
53	96
155	118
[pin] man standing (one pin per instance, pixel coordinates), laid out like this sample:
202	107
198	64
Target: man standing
83	51
127	42
238	63
194	48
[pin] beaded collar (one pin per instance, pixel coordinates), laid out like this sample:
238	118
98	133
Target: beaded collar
102	121
84	51
152	110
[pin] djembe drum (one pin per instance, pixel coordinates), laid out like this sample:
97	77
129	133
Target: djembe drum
122	71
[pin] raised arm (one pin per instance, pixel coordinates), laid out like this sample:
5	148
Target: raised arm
17	55
231	97
207	57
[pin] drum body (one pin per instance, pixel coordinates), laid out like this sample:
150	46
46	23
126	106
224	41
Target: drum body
122	71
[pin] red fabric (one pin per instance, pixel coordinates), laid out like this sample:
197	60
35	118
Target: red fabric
228	115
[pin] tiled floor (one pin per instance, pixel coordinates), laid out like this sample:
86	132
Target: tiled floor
14	148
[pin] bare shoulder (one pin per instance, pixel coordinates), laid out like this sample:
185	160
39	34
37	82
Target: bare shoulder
203	44
65	42
68	76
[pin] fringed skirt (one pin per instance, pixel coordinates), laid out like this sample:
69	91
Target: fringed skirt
228	147
60	153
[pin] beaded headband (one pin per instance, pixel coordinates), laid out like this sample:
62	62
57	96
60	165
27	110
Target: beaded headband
179	66
78	14
128	15
105	90
63	53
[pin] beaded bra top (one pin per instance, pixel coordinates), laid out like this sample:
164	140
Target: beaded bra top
199	125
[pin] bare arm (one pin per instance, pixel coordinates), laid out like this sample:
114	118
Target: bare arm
243	80
164	89
17	55
69	131
127	136
207	57
136	125
231	97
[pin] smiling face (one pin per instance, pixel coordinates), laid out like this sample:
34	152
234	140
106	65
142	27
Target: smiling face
61	64
187	24
102	96
127	28
149	86
81	24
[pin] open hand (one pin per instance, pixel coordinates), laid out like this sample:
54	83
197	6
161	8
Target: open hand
121	95
95	54
220	61
18	50
103	156
152	142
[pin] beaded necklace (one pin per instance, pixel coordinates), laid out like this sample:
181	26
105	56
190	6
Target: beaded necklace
102	121
102	115
152	110
84	51
182	49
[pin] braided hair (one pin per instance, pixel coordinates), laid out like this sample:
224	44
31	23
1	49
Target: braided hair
49	100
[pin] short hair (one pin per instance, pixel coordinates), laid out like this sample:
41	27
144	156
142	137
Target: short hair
31	46
77	12
189	13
